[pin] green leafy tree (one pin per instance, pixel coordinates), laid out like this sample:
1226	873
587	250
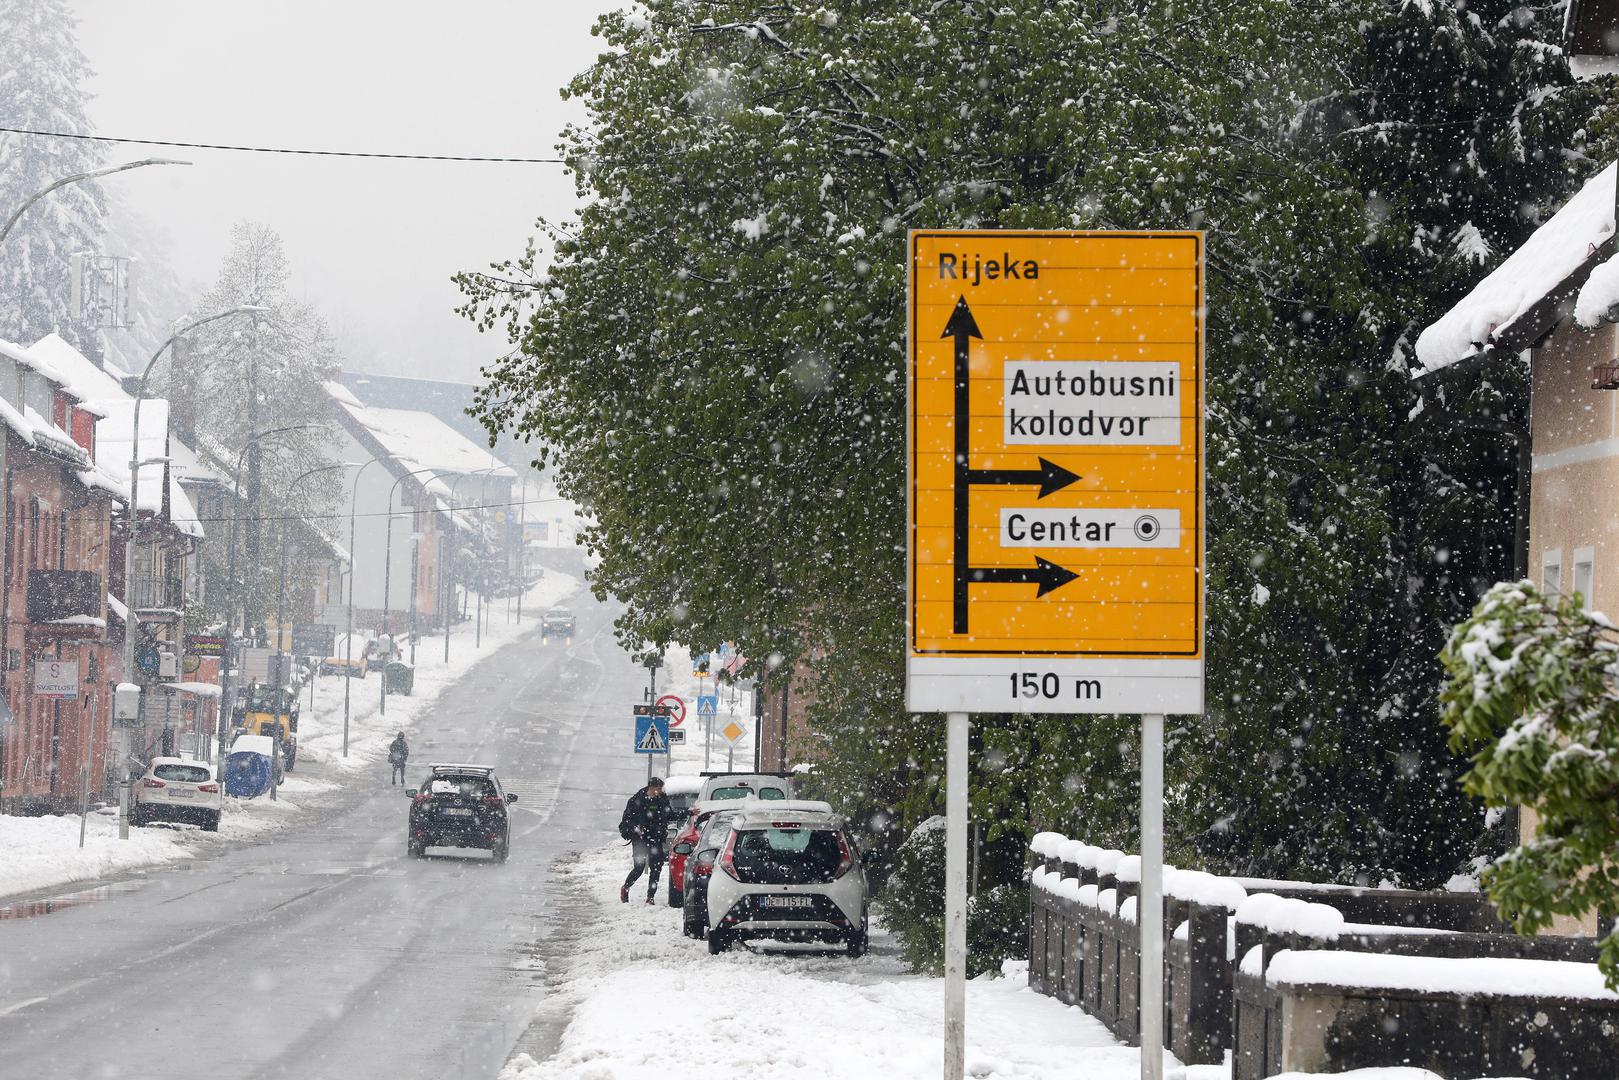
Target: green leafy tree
1533	697
712	357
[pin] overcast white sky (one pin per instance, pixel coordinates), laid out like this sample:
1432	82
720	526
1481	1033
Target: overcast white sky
372	243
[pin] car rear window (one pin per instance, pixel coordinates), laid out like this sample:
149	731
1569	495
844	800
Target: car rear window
473	787
188	774
682	803
786	856
742	791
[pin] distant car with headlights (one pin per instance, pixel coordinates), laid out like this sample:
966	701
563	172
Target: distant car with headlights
177	789
788	871
556	622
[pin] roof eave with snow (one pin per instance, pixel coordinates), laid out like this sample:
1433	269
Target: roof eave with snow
1533	290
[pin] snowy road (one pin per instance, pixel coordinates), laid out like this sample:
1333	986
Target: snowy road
327	953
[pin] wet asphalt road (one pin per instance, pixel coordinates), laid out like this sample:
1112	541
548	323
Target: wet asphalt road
326	953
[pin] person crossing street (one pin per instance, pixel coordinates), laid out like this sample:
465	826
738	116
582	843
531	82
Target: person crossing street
644	824
398	754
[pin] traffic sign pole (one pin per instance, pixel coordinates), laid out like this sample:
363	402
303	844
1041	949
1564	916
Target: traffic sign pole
1150	908
1055	515
955	897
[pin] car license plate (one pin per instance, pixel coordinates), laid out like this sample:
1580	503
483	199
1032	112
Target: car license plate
789	901
453	812
180	793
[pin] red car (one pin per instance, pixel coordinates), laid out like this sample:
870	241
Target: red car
686	838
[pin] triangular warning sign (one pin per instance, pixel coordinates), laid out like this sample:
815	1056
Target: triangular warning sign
651	742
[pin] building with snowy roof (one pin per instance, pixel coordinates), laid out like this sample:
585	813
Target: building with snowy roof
424	488
1553	304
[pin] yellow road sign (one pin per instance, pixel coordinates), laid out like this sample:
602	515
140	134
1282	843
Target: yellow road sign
1056	472
732	731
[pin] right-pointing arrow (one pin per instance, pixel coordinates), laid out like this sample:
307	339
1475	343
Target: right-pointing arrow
1048	575
1050	476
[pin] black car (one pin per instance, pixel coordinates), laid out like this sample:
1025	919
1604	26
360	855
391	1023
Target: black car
557	622
459	806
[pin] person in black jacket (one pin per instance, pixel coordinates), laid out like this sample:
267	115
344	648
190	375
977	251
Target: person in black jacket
646	817
398	754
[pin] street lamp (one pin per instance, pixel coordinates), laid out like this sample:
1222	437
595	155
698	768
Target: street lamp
348	674
227	706
134	533
444	563
387	572
281	665
79	178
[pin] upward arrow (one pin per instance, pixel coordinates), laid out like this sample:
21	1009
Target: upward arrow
963	327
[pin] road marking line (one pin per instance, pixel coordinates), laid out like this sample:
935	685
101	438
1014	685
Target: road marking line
9	1009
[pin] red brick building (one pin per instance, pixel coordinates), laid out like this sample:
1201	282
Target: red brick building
54	647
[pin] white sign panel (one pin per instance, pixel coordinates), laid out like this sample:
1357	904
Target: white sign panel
56	678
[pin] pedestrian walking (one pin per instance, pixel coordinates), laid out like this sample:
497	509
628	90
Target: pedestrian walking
398	754
644	825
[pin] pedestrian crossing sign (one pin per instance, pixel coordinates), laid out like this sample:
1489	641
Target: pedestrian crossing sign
708	704
651	734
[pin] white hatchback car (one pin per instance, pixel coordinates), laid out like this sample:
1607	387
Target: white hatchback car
789	871
178	789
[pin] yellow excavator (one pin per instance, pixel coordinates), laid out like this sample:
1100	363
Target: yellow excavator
273	711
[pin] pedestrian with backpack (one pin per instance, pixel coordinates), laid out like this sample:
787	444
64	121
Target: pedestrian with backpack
644	825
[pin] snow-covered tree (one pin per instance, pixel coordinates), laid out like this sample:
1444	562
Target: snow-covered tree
1533	696
42	77
234	379
716	351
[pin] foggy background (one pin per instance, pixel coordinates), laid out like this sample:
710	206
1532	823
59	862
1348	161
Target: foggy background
372	243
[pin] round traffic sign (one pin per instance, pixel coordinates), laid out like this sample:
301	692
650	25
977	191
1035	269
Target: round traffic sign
677	705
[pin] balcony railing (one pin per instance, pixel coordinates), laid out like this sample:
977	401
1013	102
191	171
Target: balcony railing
63	594
152	592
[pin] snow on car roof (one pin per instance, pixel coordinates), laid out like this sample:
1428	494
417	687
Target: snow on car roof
682	784
449	766
804	812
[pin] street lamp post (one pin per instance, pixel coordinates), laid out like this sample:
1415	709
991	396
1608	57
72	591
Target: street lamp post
281	665
134	533
348	664
444	581
387	575
226	702
77	178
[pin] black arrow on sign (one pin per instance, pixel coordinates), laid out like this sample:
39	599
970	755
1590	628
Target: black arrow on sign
1050	477
961	326
1047	574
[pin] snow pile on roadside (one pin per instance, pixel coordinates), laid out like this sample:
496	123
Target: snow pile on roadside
41	852
788	1015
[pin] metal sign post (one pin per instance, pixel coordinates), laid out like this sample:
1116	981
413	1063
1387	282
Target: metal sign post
1055	513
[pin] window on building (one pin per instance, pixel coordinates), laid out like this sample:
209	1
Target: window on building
1584	575
1551	571
61	540
33	526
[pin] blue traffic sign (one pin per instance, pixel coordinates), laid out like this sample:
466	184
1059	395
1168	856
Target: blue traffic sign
651	734
708	704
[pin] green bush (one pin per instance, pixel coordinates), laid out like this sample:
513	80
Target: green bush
913	908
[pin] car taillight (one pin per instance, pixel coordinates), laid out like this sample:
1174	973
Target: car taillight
726	862
212	789
703	865
845	857
421	798
151	782
493	800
